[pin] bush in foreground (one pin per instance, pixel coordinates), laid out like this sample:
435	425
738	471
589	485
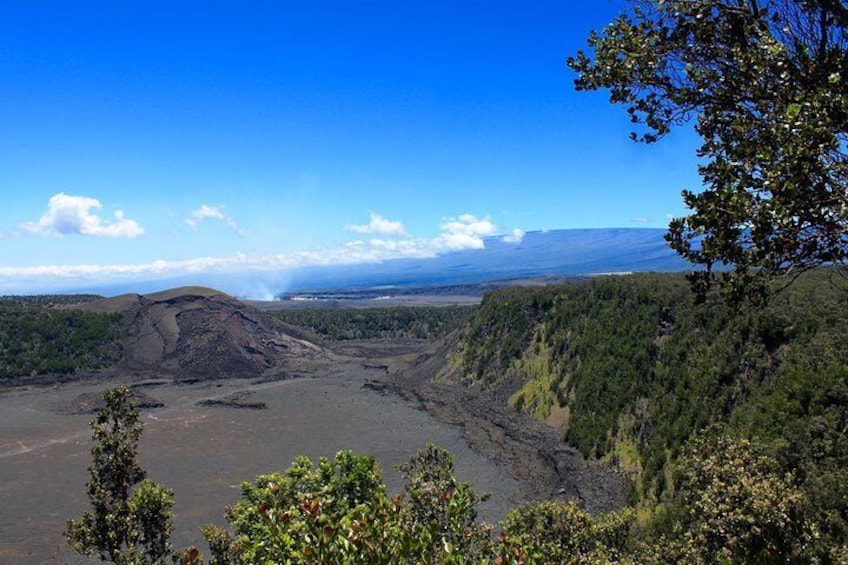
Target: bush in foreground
733	505
130	518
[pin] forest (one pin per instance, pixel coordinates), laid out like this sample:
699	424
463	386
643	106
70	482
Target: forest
36	338
632	369
403	322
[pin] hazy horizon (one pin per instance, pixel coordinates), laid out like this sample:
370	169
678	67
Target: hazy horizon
157	141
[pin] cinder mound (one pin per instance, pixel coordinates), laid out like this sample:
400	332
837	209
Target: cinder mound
201	333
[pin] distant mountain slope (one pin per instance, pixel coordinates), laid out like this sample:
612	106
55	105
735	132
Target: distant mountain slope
556	252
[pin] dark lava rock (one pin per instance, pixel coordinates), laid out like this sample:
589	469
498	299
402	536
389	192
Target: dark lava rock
237	400
91	402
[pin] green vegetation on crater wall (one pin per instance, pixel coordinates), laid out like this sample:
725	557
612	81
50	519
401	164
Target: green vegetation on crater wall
411	322
539	396
40	300
37	340
501	328
631	361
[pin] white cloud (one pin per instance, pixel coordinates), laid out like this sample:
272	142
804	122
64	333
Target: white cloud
378	225
206	212
457	233
517	236
76	215
641	220
464	232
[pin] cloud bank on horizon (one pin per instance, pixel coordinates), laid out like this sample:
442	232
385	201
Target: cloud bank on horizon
80	216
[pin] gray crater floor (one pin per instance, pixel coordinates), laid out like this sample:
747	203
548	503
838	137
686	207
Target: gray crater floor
204	452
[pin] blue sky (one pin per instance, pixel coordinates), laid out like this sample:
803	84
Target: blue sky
142	138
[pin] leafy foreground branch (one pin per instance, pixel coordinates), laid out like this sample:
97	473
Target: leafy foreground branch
764	84
733	506
130	518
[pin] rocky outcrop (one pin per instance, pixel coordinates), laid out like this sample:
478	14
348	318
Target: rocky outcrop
236	400
92	402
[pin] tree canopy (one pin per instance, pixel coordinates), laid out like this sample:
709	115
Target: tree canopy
764	82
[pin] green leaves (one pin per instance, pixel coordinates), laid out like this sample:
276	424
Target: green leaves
130	520
762	85
38	339
338	513
150	513
558	531
740	507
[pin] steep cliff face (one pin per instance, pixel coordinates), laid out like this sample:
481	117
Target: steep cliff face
196	332
628	368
